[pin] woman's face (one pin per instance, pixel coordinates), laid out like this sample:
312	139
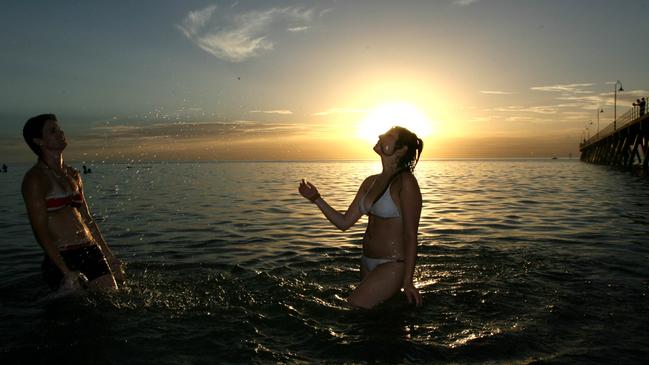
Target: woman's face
53	137
386	143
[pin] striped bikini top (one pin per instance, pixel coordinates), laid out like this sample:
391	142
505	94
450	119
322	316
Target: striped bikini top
60	197
56	201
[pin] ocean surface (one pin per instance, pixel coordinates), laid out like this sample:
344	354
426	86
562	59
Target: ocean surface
520	261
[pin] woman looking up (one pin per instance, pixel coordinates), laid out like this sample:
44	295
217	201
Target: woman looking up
392	201
76	254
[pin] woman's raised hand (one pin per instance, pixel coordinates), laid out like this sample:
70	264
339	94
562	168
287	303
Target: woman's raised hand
74	280
117	267
308	191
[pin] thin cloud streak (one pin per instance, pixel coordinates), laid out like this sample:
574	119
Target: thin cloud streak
496	92
565	88
298	29
547	109
339	111
194	131
282	112
464	2
238	37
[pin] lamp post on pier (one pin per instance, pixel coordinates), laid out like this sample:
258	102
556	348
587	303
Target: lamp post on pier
615	90
599	110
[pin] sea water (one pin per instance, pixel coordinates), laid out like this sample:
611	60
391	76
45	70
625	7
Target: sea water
519	261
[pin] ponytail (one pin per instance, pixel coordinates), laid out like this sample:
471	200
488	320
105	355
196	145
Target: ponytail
415	147
420	148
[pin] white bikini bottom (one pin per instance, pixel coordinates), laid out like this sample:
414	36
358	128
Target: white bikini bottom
371	264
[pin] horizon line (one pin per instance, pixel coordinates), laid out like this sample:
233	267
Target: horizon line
140	162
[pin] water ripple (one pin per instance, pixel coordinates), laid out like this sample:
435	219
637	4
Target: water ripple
519	262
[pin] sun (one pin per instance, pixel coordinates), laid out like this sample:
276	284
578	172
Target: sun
384	116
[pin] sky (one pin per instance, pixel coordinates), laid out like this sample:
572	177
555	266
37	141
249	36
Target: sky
317	80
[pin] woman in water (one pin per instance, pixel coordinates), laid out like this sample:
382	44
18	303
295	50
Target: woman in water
76	254
392	200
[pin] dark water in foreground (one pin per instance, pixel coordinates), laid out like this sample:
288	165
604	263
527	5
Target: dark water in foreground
519	262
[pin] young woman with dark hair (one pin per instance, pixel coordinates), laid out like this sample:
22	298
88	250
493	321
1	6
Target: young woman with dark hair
76	254
392	201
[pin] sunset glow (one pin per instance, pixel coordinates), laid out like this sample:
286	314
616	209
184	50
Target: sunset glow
249	80
384	116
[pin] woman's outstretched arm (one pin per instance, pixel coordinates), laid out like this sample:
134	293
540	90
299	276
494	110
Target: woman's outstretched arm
342	221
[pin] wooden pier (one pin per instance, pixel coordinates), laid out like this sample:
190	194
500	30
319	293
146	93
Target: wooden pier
623	143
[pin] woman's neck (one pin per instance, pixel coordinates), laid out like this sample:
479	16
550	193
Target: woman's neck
389	167
53	160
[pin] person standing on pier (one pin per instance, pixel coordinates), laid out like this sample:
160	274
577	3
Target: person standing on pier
642	103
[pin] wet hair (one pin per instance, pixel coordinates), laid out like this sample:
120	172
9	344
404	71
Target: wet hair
415	146
34	129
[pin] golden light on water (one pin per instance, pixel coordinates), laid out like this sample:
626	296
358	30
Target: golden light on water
384	116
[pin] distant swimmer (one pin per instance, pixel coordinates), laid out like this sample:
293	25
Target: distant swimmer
4	168
76	254
392	201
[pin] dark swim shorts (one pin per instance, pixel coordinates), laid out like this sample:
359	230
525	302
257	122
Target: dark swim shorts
87	259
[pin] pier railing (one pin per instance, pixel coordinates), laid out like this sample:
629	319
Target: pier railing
626	118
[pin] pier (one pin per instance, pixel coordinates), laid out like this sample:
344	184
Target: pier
624	143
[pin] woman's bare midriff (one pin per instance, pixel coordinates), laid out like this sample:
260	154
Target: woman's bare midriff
383	238
67	228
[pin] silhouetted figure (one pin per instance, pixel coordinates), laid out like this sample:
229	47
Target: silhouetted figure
4	168
392	201
642	105
86	170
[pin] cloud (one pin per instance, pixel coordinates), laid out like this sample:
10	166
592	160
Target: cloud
464	2
578	95
196	20
586	101
236	37
325	12
545	109
565	88
339	111
593	101
283	112
192	131
297	29
519	119
495	92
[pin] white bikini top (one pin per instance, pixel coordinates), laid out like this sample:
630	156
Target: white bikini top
384	207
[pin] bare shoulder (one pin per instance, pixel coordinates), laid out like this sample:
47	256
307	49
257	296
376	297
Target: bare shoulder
409	181
409	188
34	175
368	180
34	180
